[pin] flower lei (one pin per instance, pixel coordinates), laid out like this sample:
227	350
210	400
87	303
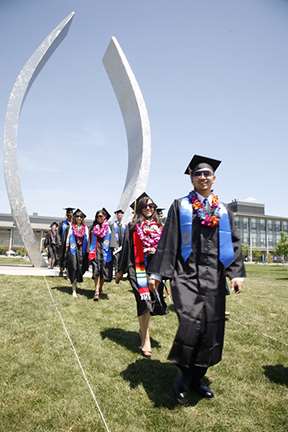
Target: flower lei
101	230
78	232
149	232
208	217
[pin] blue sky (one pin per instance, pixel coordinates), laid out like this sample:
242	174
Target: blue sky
214	76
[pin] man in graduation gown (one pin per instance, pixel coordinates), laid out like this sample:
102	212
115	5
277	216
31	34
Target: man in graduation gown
63	232
117	235
198	249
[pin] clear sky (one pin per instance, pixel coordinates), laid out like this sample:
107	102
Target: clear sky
214	75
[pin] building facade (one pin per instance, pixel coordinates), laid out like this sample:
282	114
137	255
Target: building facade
9	235
258	231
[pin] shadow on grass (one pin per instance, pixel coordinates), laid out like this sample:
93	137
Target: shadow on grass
126	338
277	373
157	379
68	290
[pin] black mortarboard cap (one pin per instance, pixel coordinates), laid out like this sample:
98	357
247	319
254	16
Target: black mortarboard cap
119	211
79	211
143	195
200	162
108	215
159	209
69	208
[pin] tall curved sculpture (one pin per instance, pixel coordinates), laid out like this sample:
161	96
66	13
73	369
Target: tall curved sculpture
17	97
136	121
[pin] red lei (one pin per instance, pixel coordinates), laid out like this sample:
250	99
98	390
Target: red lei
79	232
149	232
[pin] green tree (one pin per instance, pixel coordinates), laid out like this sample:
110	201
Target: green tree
245	250
282	246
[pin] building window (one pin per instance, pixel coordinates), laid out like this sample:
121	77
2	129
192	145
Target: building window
253	223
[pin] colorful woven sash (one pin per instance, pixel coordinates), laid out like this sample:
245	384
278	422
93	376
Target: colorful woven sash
226	251
141	275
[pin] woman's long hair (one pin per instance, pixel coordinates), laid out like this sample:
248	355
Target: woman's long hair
138	216
95	219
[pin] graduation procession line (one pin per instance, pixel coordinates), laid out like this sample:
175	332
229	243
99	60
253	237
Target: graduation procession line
77	357
259	333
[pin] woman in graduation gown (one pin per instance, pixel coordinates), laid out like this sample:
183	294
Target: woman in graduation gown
77	244
100	253
53	243
198	249
138	247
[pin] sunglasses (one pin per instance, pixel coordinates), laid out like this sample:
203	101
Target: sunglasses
204	173
151	206
100	216
79	216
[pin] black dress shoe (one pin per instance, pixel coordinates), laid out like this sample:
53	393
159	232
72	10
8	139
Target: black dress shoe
203	390
181	391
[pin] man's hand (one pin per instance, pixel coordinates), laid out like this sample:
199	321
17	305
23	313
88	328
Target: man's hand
118	277
237	284
153	284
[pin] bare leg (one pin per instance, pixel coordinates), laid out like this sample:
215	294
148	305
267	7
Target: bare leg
97	286
74	288
144	333
101	283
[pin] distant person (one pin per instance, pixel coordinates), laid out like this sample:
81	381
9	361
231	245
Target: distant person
77	244
138	247
63	231
198	248
117	234
52	243
161	216
100	253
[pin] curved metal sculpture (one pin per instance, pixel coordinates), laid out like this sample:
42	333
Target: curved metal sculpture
17	97
136	121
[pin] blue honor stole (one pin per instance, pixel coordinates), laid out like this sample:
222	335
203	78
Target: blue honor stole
65	226
107	254
116	230
73	244
226	250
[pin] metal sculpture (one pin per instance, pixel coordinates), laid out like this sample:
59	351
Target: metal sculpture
136	122
17	97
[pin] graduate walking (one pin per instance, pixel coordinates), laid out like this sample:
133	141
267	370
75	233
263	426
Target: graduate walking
138	247
117	234
100	253
77	244
198	249
63	232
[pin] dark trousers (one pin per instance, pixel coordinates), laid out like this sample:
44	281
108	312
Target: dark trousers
193	374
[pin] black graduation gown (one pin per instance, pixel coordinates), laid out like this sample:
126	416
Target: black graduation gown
127	265
53	245
63	237
198	289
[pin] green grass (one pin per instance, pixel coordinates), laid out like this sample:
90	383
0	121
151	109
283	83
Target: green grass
42	389
14	261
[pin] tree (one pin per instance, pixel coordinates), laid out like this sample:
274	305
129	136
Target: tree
245	250
282	246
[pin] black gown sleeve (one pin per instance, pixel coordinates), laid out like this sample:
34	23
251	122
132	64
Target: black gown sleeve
164	260
125	252
237	268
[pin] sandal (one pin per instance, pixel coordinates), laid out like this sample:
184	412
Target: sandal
96	297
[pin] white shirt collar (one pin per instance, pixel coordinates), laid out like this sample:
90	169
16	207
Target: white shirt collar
201	197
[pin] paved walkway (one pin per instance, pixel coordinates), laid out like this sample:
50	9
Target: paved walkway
31	271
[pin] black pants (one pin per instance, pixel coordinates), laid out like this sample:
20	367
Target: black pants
193	374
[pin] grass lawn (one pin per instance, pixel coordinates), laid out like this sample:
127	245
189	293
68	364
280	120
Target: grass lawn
14	261
42	388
